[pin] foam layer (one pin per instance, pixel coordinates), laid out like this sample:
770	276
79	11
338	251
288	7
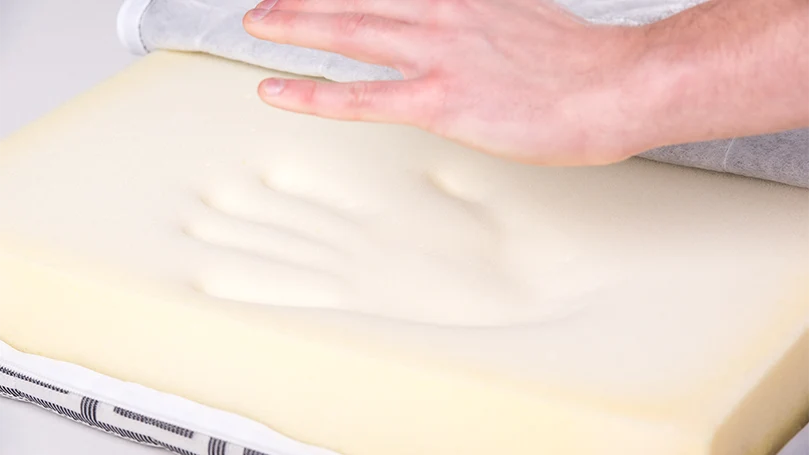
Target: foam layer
373	289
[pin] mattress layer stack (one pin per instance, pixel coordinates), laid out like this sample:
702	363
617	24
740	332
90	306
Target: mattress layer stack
280	284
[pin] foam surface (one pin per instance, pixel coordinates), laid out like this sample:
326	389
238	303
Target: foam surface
357	286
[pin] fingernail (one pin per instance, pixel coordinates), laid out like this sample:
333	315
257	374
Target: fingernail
255	15
272	87
261	10
266	4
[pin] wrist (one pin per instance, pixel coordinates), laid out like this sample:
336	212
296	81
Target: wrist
683	73
722	69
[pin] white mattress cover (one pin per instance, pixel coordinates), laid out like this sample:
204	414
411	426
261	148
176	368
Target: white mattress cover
149	402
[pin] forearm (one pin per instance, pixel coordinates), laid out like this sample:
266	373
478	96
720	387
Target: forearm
726	68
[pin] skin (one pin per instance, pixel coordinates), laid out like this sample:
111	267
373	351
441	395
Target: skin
526	80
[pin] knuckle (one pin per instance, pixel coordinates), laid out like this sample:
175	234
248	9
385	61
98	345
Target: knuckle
470	39
358	95
433	104
350	23
356	5
448	6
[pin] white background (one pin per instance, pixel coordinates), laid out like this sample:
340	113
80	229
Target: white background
51	50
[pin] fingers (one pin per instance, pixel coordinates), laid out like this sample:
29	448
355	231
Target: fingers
388	102
411	11
363	37
405	11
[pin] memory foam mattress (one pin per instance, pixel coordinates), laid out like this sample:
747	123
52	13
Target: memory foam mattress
372	289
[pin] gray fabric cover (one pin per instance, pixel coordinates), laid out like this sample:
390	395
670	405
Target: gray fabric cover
782	157
215	27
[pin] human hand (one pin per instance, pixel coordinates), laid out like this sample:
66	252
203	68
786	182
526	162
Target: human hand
522	79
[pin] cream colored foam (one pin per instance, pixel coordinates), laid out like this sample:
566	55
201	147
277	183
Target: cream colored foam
376	290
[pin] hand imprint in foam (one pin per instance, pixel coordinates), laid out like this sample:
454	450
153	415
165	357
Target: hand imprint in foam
324	251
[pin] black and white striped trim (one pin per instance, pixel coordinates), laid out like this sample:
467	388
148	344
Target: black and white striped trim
154	422
114	419
14	374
